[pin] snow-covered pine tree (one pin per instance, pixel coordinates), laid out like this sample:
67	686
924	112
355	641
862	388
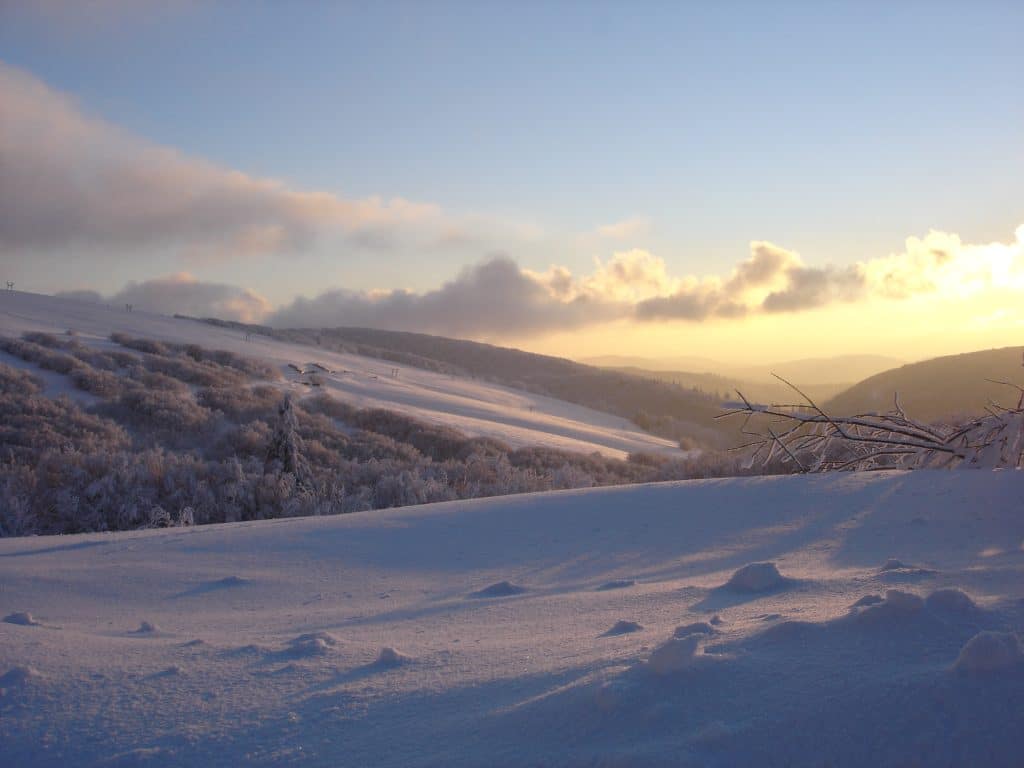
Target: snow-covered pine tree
285	451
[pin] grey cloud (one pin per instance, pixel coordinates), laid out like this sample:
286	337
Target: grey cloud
809	288
69	180
493	299
797	288
689	305
765	264
183	294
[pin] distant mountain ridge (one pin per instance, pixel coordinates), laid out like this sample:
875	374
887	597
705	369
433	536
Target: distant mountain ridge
838	371
938	389
760	391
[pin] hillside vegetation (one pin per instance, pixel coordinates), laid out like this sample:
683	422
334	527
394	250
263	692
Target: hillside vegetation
661	407
160	433
942	389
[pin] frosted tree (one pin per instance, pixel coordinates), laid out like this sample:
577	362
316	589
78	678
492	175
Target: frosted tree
285	451
810	439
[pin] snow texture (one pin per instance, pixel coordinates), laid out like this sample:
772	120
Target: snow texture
389	657
623	627
21	618
500	589
756	577
988	652
673	655
293	615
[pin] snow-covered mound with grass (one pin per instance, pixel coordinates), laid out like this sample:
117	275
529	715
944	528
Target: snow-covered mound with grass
473	407
488	632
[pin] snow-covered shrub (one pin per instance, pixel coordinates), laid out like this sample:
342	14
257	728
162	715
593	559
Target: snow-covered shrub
206	359
149	346
17	382
241	404
810	439
100	383
158	410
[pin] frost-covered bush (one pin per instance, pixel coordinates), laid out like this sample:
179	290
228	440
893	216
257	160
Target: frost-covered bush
45	357
241	403
207	358
32	423
100	383
17	382
148	346
159	411
809	439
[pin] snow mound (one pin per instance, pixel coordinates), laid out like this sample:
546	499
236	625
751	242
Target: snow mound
230	581
756	577
674	655
897	570
697	628
989	651
311	644
389	657
616	584
623	627
501	589
18	676
146	628
868	600
892	564
22	619
897	606
950	601
172	671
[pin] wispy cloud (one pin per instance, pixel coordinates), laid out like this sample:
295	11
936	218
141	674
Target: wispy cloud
71	180
632	227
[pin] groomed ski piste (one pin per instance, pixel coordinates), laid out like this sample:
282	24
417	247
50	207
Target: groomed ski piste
844	619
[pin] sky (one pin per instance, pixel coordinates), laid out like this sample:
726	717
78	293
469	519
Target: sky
746	182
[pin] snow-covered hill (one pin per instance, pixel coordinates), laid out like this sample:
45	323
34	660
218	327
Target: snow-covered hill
537	630
473	407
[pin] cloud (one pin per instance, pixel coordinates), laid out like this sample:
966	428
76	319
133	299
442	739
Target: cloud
771	279
809	288
185	295
497	299
70	180
634	226
492	299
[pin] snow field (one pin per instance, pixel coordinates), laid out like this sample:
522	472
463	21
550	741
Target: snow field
478	633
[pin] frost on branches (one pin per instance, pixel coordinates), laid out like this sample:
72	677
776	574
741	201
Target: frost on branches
811	440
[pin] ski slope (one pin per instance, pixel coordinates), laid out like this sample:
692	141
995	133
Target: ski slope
473	407
537	630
